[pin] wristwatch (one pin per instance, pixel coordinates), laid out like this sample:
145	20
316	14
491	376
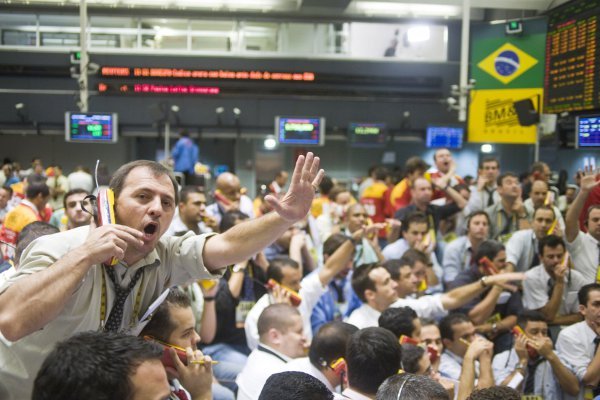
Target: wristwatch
483	281
494	327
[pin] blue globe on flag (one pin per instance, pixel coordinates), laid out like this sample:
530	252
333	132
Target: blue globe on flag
507	63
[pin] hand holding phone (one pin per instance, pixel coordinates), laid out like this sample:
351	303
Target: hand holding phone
294	296
106	213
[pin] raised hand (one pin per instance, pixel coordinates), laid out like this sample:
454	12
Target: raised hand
298	199
589	178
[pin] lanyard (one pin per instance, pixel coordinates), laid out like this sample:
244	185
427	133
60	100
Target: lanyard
103	304
271	352
507	225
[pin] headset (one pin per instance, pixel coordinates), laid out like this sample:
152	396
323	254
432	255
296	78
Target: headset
339	367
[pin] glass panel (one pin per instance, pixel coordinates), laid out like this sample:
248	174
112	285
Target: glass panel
17	20
298	38
18	38
106	40
260	36
113	22
162	33
59	20
399	41
213	35
59	39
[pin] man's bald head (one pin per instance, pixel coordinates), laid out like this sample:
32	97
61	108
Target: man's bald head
276	316
229	186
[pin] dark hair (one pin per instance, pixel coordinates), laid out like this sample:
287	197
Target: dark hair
414	164
37	188
411	355
333	243
411	387
398	320
448	322
31	232
475	214
416	217
329	343
538	166
413	256
545	208
294	385
326	185
275	267
157	169
335	191
276	316
185	192
495	393
551	241
393	267
529	315
372	356
488	159
230	218
71	193
361	281
380	173
589	211
584	293
161	325
93	366
489	249
505	175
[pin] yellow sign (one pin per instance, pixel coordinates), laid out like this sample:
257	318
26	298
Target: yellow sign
507	63
492	116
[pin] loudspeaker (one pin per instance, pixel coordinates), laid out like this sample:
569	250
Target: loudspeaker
526	113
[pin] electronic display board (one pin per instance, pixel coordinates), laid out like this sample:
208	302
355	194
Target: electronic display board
300	131
572	76
450	137
362	134
91	127
587	131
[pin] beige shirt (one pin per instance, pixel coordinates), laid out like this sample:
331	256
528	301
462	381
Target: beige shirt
175	261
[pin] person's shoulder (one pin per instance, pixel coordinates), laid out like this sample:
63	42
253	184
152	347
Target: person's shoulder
457	243
534	272
572	332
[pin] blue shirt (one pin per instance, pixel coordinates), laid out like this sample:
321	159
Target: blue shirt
185	155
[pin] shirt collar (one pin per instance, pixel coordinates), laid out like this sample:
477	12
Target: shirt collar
283	356
30	205
354	395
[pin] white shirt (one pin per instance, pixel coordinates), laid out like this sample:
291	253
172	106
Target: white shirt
246	207
259	367
348	393
303	364
535	290
429	306
528	204
521	248
395	250
545	382
311	290
576	345
585	253
479	198
451	366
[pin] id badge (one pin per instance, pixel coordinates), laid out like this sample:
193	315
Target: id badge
241	312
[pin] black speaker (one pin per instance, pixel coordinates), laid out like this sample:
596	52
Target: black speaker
526	113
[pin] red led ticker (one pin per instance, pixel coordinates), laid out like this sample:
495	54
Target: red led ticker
207	74
162	89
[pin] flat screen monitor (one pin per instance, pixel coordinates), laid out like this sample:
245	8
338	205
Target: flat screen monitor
450	137
300	131
362	134
91	127
587	131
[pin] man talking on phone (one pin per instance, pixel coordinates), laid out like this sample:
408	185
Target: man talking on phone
64	285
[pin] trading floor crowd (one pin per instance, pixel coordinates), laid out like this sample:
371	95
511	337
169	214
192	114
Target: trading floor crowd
414	284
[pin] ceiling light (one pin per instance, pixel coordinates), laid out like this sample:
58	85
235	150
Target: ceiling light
487	148
406	9
270	143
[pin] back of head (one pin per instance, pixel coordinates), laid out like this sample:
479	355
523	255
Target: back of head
411	356
231	218
414	164
330	342
37	188
93	366
31	232
495	393
398	320
294	385
411	387
325	185
333	243
373	355
161	324
489	249
276	316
